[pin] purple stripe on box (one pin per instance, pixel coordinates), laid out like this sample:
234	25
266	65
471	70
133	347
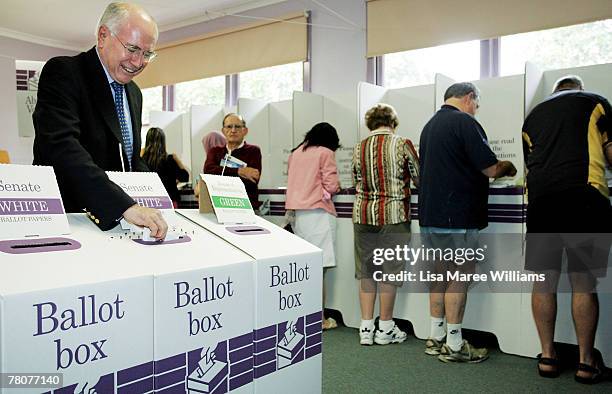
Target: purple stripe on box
314	339
157	202
272	191
265	357
170	363
265	332
241	367
266	344
240	341
170	378
314	328
497	219
314	317
492	213
264	370
31	206
241	354
21	72
140	387
241	380
134	373
517	206
178	389
221	388
313	351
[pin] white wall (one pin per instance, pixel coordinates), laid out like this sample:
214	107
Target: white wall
20	148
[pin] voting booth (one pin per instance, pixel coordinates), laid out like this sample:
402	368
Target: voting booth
287	289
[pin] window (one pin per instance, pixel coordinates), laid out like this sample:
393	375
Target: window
460	61
207	91
272	83
152	100
564	47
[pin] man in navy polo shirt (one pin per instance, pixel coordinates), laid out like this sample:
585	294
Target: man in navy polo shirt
456	164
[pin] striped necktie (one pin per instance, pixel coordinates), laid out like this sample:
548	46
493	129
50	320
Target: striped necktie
125	131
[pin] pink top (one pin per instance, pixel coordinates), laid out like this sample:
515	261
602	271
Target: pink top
313	179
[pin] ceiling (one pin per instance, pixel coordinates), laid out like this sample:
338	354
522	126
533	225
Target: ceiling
70	24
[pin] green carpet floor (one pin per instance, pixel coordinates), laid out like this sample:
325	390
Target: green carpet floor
404	368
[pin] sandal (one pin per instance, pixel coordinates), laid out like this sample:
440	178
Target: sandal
553	363
329	323
599	372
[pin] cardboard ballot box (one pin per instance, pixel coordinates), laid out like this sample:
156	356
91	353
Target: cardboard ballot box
65	309
203	306
287	294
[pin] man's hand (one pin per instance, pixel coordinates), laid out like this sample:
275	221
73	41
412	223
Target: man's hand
500	169
149	218
252	174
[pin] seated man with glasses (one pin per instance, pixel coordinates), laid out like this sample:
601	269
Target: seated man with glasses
88	119
237	158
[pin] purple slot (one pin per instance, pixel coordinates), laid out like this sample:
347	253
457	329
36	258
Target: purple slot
314	317
38	245
247	230
264	357
313	328
313	351
241	354
241	380
264	345
177	389
140	387
263	333
170	363
240	341
241	367
264	370
170	378
134	373
180	240
314	339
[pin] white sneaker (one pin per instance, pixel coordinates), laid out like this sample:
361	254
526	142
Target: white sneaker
395	335
366	336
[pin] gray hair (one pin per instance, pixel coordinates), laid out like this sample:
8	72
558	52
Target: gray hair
568	82
115	15
236	116
381	115
461	89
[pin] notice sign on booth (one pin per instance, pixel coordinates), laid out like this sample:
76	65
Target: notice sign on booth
144	187
226	196
30	203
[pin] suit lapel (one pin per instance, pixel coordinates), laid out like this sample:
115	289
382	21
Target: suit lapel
101	94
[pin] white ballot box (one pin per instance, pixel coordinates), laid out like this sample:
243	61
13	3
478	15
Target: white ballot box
203	307
287	295
65	308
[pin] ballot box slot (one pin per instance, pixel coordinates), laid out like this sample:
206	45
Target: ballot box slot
247	230
38	245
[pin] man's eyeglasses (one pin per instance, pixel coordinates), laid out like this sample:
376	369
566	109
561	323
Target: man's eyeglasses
136	50
234	127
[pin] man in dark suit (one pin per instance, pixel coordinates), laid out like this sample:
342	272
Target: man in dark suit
88	119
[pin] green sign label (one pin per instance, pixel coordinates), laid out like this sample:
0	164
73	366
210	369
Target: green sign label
231	202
